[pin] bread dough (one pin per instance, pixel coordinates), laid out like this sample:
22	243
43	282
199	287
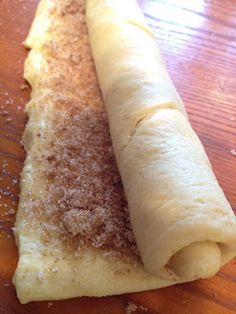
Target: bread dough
183	224
46	269
184	227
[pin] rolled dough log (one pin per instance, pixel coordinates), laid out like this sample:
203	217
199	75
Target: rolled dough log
184	226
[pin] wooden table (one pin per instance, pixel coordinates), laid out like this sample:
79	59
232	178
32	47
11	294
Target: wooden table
198	41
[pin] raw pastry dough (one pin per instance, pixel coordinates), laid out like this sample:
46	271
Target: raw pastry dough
46	269
151	138
184	226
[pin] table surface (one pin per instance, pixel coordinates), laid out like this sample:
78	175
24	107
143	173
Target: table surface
198	41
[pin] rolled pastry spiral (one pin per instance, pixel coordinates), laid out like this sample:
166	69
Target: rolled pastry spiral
184	227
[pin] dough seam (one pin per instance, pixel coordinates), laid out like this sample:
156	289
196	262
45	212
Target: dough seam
152	111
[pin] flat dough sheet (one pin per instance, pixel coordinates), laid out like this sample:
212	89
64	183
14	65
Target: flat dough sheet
61	72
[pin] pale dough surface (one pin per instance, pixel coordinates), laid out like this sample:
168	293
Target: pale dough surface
46	271
150	133
132	74
184	227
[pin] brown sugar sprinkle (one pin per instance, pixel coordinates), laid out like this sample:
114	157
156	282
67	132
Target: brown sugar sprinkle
84	204
24	86
85	186
132	308
10	212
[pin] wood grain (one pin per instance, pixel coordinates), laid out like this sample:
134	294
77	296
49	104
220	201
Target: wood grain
197	39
